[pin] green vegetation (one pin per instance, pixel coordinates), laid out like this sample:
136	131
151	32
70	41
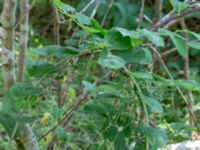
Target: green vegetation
99	74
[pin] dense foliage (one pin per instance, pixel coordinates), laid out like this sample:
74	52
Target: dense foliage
106	74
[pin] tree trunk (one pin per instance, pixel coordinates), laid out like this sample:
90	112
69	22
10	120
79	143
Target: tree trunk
27	135
7	35
24	27
8	22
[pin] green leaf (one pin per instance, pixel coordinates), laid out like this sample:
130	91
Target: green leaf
112	62
40	68
135	55
143	75
120	142
148	57
110	133
55	51
13	122
179	6
195	45
180	44
117	40
108	90
154	37
8	122
97	26
89	29
96	108
153	105
16	97
157	136
125	33
191	85
61	133
88	86
64	7
179	127
23	89
178	41
83	19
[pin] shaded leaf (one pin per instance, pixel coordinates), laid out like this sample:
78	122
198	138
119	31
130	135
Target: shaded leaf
40	68
112	62
154	37
117	41
157	136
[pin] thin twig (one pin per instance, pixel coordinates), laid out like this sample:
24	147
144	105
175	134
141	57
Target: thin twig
158	10
187	70
95	9
169	18
107	12
177	87
141	15
22	18
69	112
87	6
167	52
56	24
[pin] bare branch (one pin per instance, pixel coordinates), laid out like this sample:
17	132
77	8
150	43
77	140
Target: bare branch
95	9
87	6
107	11
172	18
158	10
187	70
141	15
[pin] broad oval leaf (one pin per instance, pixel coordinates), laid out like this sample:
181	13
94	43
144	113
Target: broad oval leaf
40	68
112	62
157	136
153	105
178	41
154	37
195	45
117	40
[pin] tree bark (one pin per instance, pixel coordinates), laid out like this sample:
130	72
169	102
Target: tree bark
7	35
23	39
28	138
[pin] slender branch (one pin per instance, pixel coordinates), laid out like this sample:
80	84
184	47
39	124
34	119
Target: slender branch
148	19
107	12
168	19
167	52
23	41
158	10
95	9
177	88
22	18
27	135
56	24
87	6
141	15
187	70
69	112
